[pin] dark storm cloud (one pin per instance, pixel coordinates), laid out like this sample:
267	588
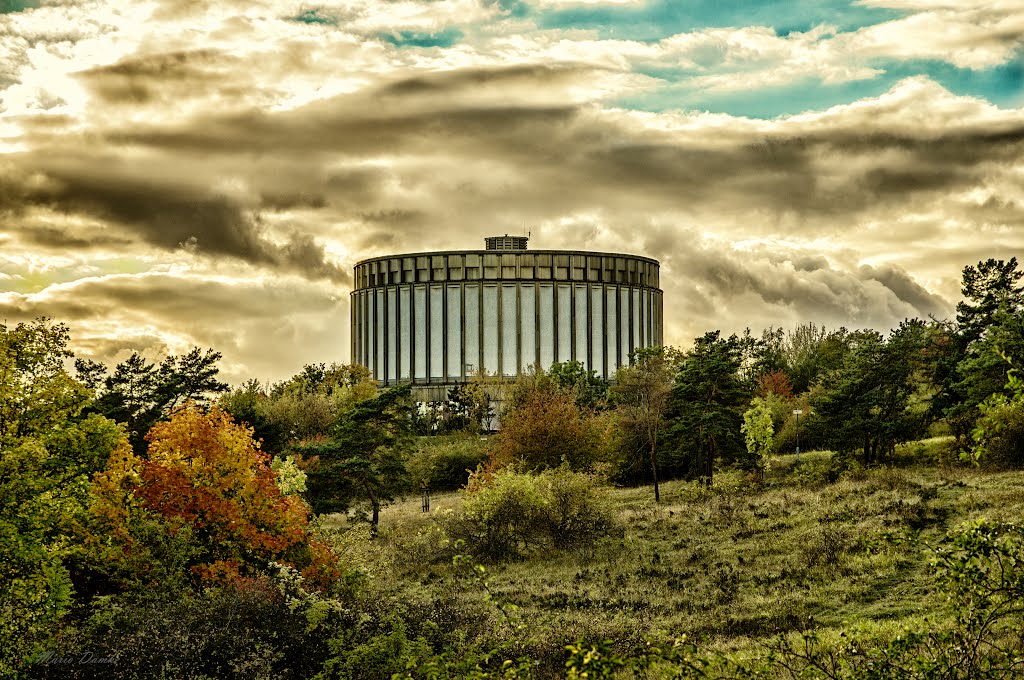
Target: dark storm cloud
786	171
906	289
162	213
320	129
140	79
387	226
165	300
112	350
996	209
936	146
688	173
179	65
458	108
392	217
447	83
565	158
875	297
16	308
59	239
380	240
281	200
809	173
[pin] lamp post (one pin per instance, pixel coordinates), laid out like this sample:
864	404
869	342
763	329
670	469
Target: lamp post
797	413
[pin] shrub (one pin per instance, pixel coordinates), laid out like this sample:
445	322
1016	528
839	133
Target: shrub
545	427
576	511
380	657
758	432
266	626
516	514
445	463
1000	434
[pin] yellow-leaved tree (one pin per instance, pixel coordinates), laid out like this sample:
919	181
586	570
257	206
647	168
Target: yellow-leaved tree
205	482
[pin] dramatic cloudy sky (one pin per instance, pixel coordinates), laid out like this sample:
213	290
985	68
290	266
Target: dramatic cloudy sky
206	172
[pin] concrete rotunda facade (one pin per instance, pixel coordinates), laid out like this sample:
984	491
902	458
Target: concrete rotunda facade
438	318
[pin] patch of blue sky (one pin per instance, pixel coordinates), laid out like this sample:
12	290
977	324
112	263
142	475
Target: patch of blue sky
314	16
515	9
1002	85
657	19
12	6
443	38
807	94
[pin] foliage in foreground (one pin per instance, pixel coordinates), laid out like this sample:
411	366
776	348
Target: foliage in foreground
48	449
980	568
470	627
267	626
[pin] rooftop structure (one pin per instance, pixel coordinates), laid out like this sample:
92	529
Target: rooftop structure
506	242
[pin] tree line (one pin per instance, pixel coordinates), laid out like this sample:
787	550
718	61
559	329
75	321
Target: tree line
112	481
735	400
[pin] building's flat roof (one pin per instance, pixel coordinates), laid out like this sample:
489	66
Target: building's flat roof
507	252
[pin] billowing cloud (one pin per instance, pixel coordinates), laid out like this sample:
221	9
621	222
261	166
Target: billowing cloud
207	173
166	215
258	324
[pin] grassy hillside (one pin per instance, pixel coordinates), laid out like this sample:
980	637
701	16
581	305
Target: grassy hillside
811	546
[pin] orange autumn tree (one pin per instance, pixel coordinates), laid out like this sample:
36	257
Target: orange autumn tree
205	477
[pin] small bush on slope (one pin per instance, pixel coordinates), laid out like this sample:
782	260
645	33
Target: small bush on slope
517	514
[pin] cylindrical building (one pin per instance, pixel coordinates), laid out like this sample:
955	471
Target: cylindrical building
436	319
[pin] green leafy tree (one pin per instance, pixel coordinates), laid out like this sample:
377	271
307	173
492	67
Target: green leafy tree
251	404
876	399
291	480
544	426
988	326
999	433
38	393
459	412
989	288
987	362
308	405
471	405
811	351
140	394
364	456
90	373
590	389
705	409
759	431
768	354
48	449
641	395
445	463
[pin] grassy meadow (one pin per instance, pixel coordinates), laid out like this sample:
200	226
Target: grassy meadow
810	546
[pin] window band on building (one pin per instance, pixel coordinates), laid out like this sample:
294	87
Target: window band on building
439	318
